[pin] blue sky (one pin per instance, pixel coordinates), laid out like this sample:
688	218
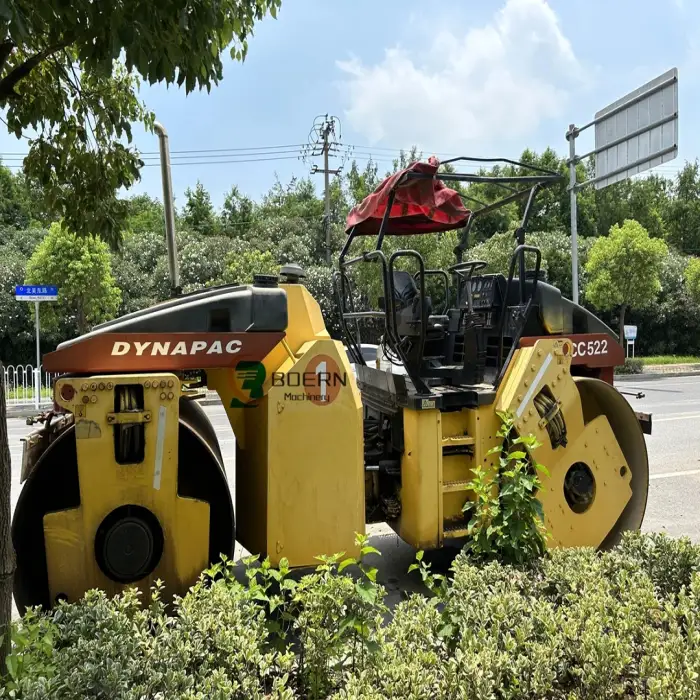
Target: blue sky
478	77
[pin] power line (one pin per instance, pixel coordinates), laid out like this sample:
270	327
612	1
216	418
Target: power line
227	150
222	162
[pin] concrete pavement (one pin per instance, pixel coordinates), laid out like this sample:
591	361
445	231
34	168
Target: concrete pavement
674	460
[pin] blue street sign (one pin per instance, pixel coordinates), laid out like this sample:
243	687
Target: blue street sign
35	292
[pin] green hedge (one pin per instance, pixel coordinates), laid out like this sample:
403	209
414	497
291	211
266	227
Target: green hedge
633	365
574	624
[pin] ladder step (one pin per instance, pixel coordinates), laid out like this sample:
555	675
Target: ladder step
455	531
457	440
453	486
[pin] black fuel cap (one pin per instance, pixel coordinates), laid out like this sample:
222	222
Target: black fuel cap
292	273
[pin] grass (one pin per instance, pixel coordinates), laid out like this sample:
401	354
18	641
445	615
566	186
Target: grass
670	360
26	393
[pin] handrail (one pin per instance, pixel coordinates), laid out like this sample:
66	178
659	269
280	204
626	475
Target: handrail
354	343
418	383
518	256
367	256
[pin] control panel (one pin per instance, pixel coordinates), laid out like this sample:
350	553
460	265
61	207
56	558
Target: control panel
483	291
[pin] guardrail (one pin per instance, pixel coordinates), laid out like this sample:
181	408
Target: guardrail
21	382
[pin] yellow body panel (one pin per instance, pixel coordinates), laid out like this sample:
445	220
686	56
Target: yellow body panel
316	499
420	478
547	363
442	449
106	485
299	465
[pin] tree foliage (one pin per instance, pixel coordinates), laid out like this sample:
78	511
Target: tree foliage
624	269
81	267
682	210
70	73
199	214
236	213
692	280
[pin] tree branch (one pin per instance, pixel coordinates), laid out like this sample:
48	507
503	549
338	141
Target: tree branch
5	51
7	84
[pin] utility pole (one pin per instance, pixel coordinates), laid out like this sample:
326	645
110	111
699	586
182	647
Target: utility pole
322	141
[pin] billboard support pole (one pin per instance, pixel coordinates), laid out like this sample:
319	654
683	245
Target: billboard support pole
571	137
37	371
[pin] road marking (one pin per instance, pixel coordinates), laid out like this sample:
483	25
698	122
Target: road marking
679	416
671	475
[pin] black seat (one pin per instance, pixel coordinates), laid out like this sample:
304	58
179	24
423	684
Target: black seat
408	306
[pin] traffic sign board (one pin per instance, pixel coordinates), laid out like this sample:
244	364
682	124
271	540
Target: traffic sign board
638	132
35	292
630	332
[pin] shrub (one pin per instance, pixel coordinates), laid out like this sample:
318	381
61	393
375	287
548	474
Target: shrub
573	624
633	365
507	522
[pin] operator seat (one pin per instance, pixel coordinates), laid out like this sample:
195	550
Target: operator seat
408	312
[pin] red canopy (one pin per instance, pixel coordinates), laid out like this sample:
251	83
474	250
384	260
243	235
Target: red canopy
421	205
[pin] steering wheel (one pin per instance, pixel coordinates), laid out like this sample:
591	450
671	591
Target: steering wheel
468	268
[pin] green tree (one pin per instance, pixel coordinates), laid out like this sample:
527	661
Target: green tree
203	261
199	214
360	183
140	270
682	210
624	268
692	280
236	214
16	337
144	215
15	202
289	221
246	262
643	200
81	268
555	247
70	71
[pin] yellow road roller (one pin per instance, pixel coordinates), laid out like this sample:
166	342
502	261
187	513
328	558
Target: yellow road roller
125	483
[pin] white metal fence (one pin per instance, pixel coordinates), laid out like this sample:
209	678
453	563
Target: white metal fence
20	385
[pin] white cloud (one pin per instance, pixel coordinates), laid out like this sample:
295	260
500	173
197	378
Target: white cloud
495	83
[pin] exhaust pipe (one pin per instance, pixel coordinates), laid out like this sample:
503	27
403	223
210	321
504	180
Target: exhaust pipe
169	209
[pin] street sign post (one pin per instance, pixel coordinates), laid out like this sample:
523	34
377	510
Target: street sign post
637	132
630	336
37	294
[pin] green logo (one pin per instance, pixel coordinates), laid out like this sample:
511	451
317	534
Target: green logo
249	377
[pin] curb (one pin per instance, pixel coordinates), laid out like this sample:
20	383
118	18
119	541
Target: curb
26	411
649	376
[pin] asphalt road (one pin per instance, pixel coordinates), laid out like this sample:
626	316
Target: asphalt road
674	459
674	453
